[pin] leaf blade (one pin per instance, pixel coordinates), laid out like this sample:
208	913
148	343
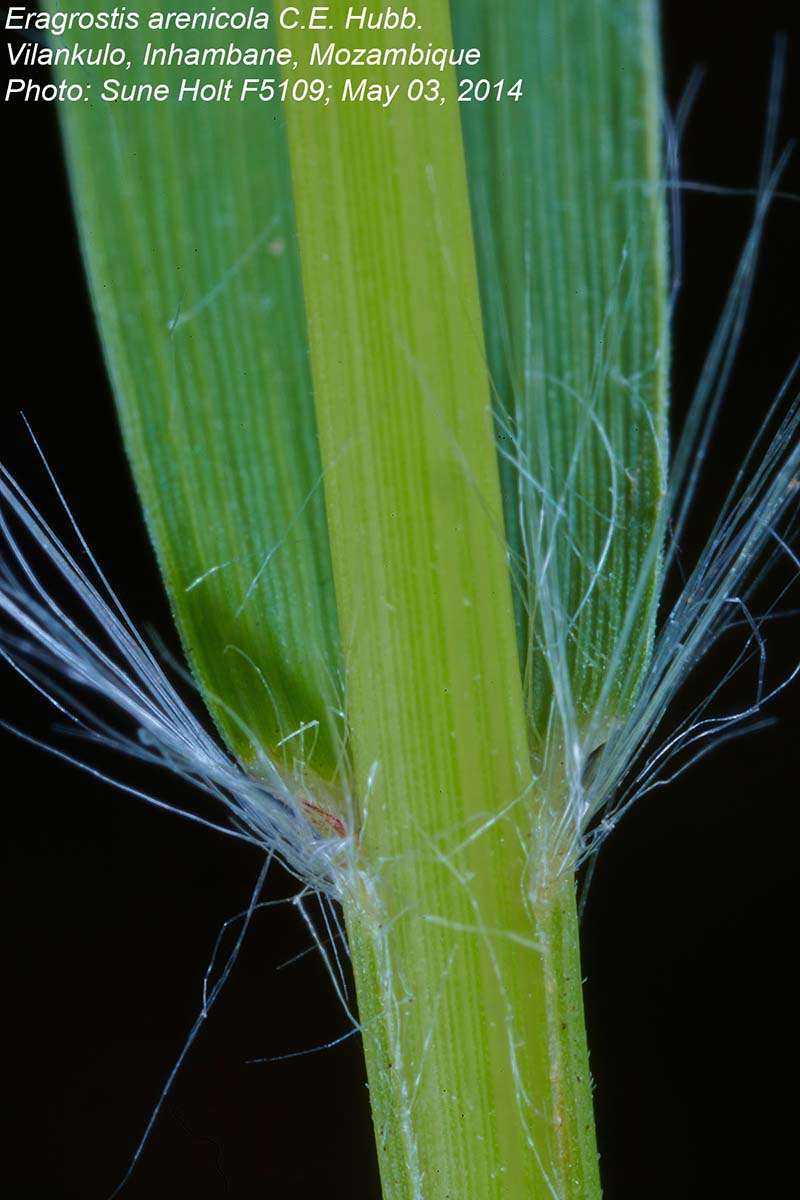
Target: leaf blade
572	258
189	240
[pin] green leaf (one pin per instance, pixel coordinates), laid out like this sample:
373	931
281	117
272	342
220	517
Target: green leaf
186	220
570	232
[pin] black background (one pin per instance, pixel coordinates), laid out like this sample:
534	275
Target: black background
111	910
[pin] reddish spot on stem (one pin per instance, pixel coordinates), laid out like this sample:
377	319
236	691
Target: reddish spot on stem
326	822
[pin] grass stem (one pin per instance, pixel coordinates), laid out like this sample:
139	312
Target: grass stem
469	999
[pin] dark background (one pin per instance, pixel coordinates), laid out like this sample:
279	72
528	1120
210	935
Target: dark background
111	909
